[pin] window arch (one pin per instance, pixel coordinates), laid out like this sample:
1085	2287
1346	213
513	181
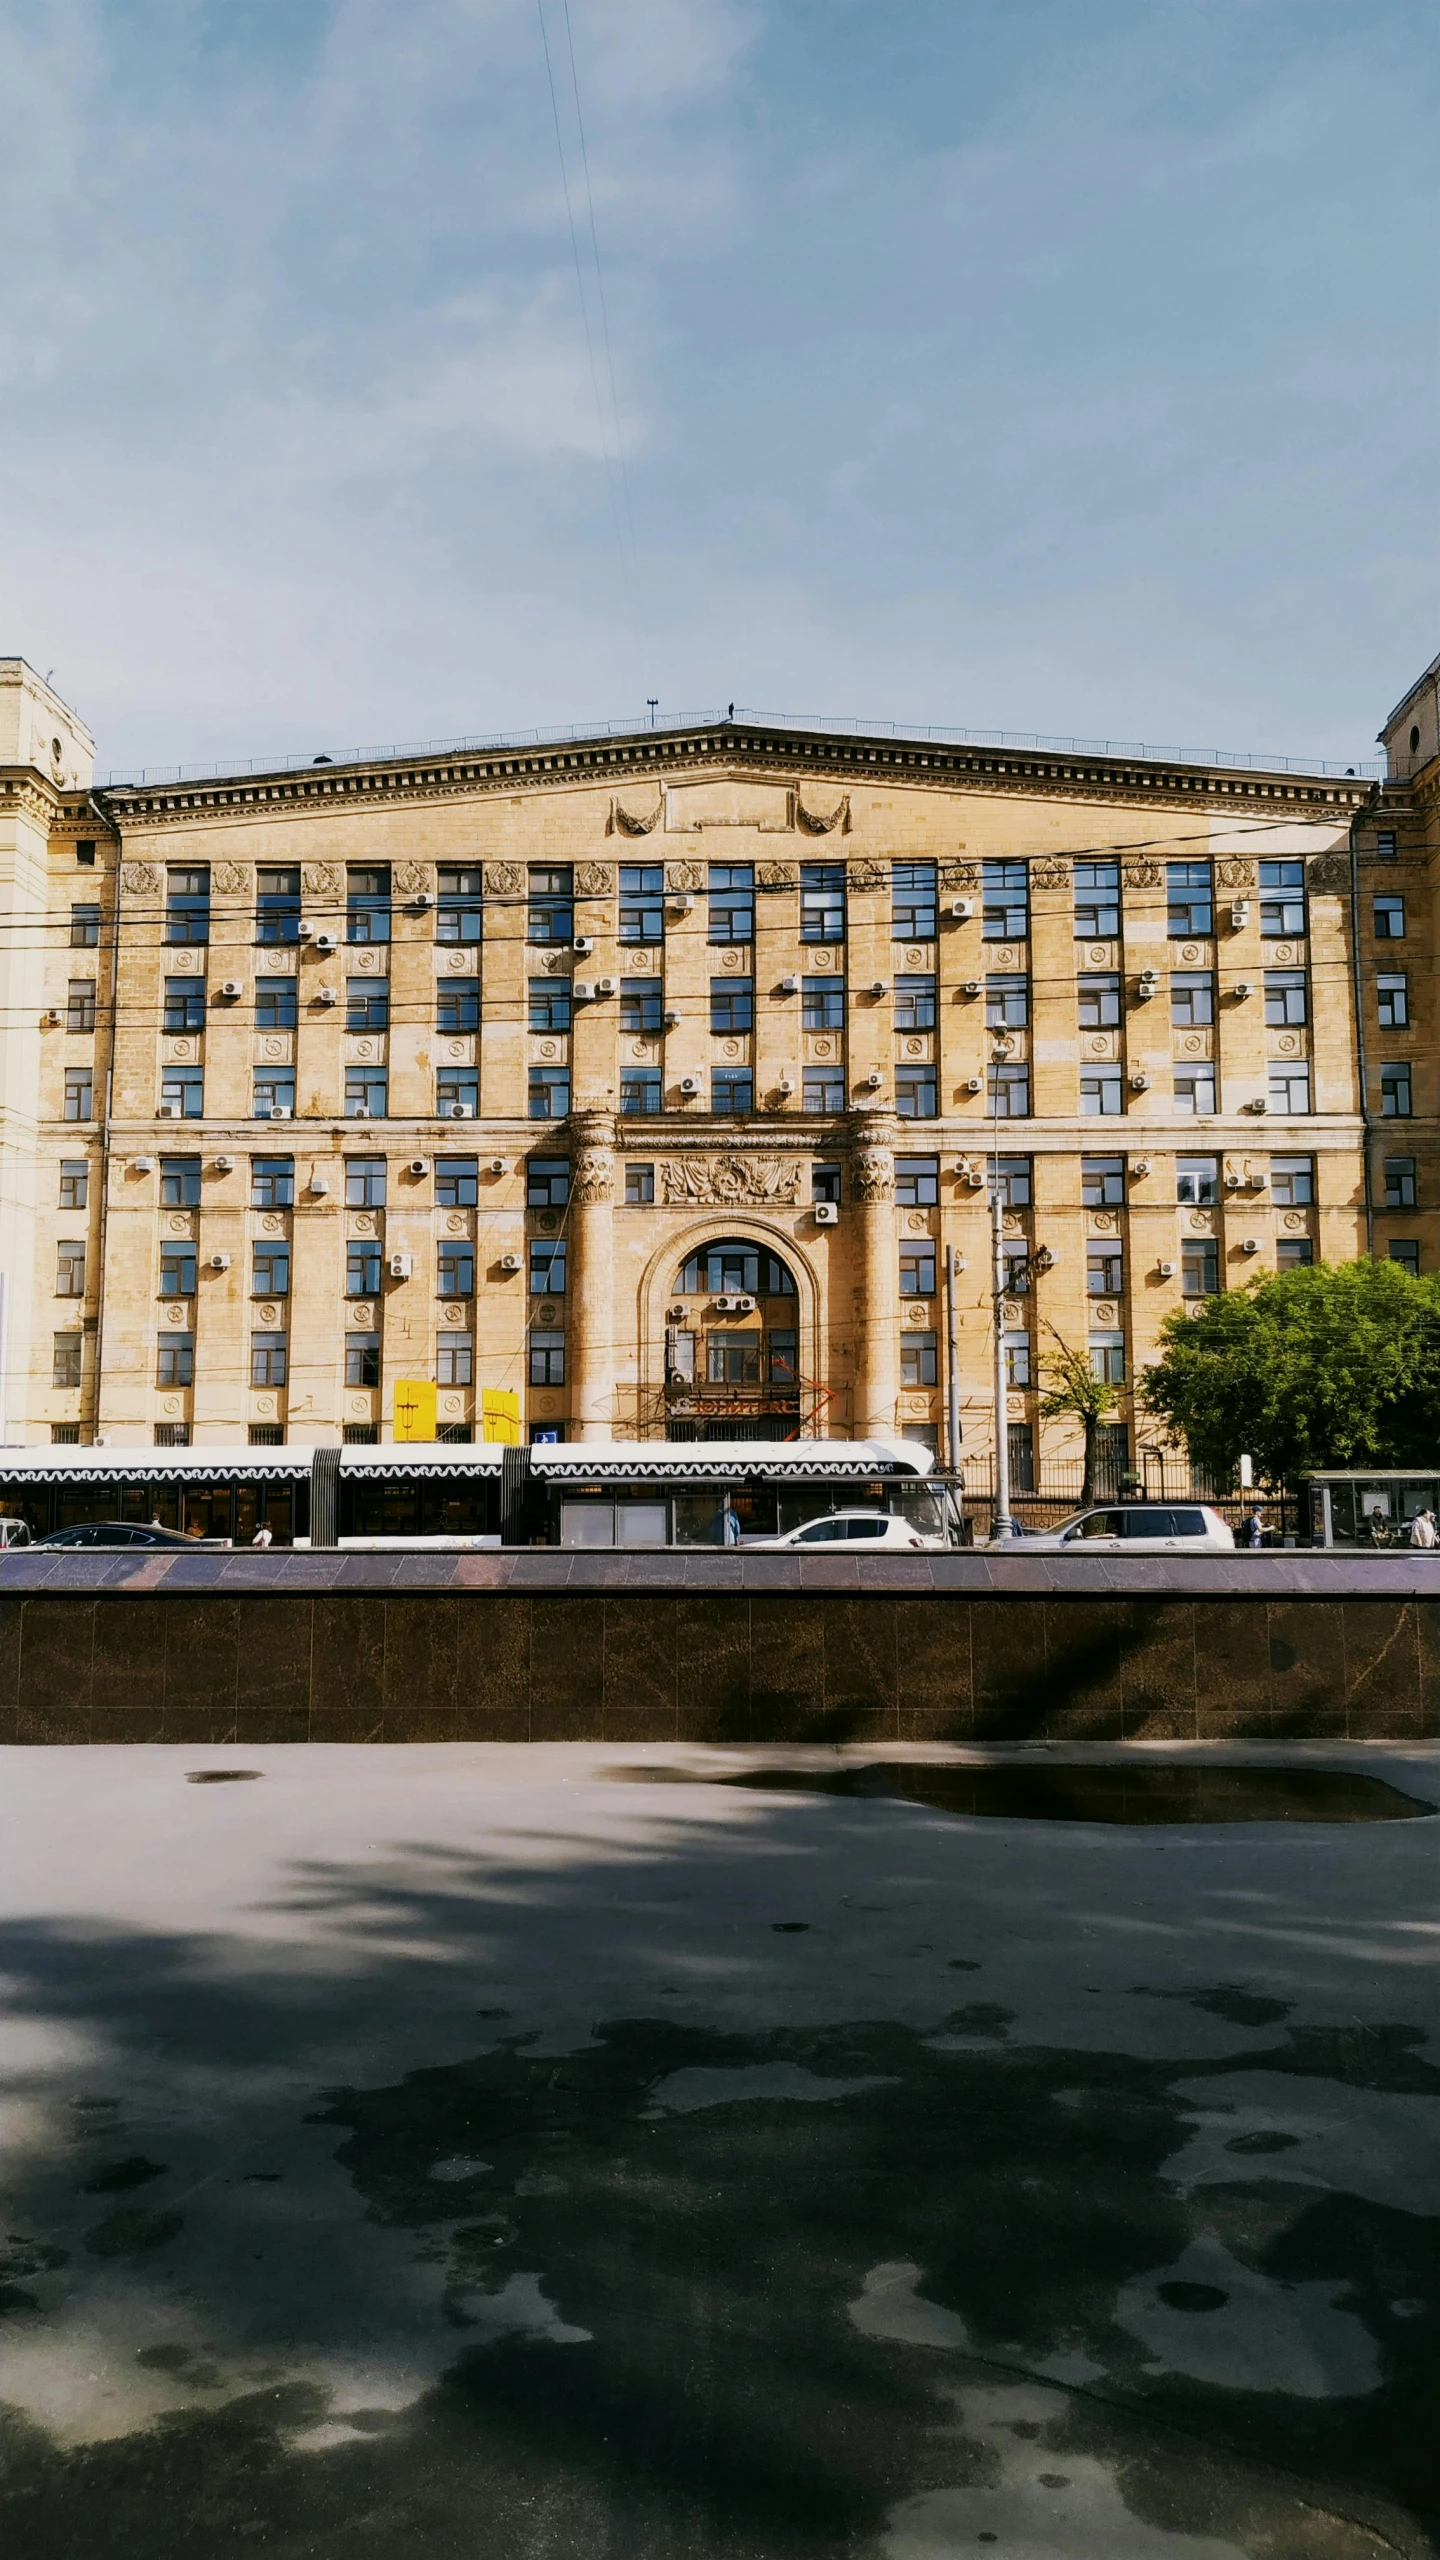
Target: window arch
734	1263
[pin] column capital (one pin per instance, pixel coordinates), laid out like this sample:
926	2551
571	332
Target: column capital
592	1158
874	1133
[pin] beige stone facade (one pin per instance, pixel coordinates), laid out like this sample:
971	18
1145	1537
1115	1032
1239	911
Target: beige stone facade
276	1049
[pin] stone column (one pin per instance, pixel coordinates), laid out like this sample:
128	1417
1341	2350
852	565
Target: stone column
872	1189
590	1339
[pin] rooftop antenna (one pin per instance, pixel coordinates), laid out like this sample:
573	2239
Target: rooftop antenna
652	705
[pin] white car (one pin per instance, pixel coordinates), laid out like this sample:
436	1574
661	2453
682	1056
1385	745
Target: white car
1142	1528
874	1531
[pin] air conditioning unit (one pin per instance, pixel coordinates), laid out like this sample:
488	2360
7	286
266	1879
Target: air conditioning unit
1146	986
975	1181
1139	1083
1233	1182
1240	915
974	1084
142	1164
51	1021
689	1085
360	1112
785	1087
1251	1244
1259	1106
605	986
509	1261
327	995
231	987
826	1214
422	899
671	1019
418	1165
1165	1270
224	1164
1258	1181
876	987
873	1081
401	1265
498	1165
1243	990
318	1186
304	932
583	942
583	990
680	900
960	910
1139	1164
789	986
735	1306
456	1111
168	1111
972	987
327	941
219	1261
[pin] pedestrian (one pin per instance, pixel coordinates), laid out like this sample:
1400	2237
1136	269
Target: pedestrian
1252	1528
729	1524
1423	1532
264	1536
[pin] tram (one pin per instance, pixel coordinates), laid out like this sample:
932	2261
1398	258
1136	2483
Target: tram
644	1493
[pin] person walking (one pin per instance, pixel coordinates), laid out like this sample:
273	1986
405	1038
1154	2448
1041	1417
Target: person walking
1423	1532
1252	1529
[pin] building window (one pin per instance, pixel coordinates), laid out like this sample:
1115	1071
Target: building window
641	1005
458	914
822	902
1007	1003
367	903
547	1267
187	904
551	1005
1385	845
1020	1439
1395	1092
1393	997
179	1182
1288	1090
733	1359
550	908
731	1264
826	1182
1282	900
362	1359
782	1358
1102	1182
918	1366
80	1005
1107	1358
267	1435
642	902
547	1359
1194	1092
640	1095
1104	1271
1015	1263
85	850
917	1270
732	1090
917	1093
172	1435
175	1360
457	1093
1406	1252
1400	1182
1190	902
270	1272
1009	1097
367	1004
732	902
1197	1181
365	1182
272	1182
1192	997
822	1089
732	1004
65	1359
75	1183
84	926
1294	1253
912	902
182	1092
1097	901
917	1182
274	1095
1285	996
1011	1177
362	1270
455	1270
455	1432
457	1182
822	1004
268	1359
1006	896
80	1093
1017	1360
1101	1094
1389	920
1292	1181
277	1004
366	1089
1199	1268
915	1004
277	906
547	1182
550	1093
1098	1001
639	1185
177	1271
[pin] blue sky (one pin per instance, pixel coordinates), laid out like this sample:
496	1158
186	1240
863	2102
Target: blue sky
1065	365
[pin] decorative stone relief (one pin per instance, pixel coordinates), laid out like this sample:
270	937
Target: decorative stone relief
456	1048
683	879
810	822
362	1224
140	879
230	879
917	1313
360	1407
545	1049
624	822
264	1406
1201	1221
595	879
1004	959
466	960
364	1317
729	1048
1283	951
1327	872
874	1174
1013	1224
1189	950
188	963
547	1314
179	1226
734	958
828	958
919	1404
365	957
917	959
959	875
867	877
776	875
413	879
172	1404
268	1314
1049	874
272	1226
1099	1044
547	1221
822	1048
1103	1221
1142	875
1293	1220
1101	954
281	961
1192	1044
181	1049
1287	1043
730	1179
452	1404
502	880
453	1313
1235	875
593	1180
365	1049
1001	1047
1103	1317
321	879
918	1223
272	1048
642	1049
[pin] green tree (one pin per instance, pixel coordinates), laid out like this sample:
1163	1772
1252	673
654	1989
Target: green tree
1073	1389
1337	1365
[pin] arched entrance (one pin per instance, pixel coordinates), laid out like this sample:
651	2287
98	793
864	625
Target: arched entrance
732	1344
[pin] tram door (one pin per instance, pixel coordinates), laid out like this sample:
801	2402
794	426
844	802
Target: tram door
614	1524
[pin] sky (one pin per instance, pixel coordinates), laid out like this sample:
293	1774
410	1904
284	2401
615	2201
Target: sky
1058	366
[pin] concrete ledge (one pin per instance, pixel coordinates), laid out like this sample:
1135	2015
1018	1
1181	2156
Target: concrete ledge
554	1647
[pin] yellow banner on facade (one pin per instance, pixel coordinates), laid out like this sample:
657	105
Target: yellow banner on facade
500	1411
414	1409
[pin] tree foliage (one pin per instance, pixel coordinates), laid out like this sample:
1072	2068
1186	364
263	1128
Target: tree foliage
1333	1366
1072	1388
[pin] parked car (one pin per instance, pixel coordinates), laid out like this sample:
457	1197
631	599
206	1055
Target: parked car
1143	1528
14	1532
875	1531
123	1533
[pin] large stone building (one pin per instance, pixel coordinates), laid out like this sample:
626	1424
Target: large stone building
649	1077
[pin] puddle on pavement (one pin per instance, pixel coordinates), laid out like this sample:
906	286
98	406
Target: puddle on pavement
219	1777
1156	1793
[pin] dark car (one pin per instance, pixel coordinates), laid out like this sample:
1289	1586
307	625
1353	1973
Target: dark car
123	1533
